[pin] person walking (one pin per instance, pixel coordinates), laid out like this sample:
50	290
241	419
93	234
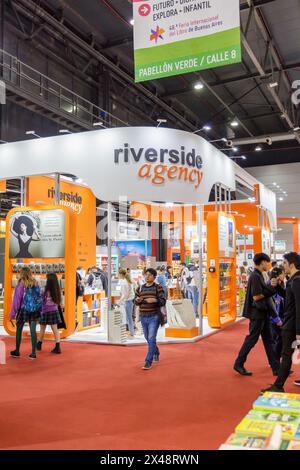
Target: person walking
291	318
26	308
257	310
150	297
50	312
192	288
127	298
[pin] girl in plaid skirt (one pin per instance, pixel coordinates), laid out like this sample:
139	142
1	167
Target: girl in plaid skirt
50	312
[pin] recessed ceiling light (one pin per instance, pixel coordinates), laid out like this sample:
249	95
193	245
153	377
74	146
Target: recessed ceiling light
98	124
274	184
207	128
64	131
273	84
281	199
243	157
234	123
258	148
198	86
235	149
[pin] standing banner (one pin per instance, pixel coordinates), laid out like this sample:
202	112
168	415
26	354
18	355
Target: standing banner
173	37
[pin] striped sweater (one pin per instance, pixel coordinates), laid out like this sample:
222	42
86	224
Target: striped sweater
154	291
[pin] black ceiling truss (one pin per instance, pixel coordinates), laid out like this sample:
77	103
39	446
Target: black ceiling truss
85	56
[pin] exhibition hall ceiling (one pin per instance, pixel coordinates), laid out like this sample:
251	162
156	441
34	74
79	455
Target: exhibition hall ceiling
237	89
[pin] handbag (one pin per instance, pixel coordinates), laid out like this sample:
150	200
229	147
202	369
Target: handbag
61	324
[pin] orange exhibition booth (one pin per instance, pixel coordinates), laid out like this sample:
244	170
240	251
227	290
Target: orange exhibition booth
174	174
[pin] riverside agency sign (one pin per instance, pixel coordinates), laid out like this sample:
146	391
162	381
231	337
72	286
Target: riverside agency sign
141	163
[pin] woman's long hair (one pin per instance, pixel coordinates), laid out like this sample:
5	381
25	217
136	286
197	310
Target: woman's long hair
26	278
125	275
52	288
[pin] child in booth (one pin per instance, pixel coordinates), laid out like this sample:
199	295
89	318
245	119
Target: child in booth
50	312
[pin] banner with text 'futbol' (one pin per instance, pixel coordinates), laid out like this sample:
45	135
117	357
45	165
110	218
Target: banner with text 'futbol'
172	37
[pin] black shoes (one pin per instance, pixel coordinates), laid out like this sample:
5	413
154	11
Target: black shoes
39	346
156	358
275	374
57	349
273	388
242	371
15	354
32	357
147	366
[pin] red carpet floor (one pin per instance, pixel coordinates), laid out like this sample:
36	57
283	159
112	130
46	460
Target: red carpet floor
97	397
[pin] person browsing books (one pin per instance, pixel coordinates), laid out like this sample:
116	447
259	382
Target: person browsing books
291	318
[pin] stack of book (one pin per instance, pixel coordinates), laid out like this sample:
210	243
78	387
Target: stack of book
273	423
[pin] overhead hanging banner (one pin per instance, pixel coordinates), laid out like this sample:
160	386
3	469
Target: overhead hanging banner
173	37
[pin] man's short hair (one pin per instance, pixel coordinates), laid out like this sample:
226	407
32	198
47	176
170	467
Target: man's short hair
151	271
293	258
182	264
260	257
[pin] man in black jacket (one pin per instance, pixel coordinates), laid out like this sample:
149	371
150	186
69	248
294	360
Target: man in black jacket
257	310
291	319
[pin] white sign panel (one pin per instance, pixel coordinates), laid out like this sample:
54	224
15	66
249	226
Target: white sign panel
141	163
226	235
181	36
266	242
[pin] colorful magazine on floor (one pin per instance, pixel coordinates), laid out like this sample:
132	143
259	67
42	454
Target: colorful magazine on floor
250	426
288	396
239	441
279	405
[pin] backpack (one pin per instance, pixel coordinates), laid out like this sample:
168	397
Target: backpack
33	299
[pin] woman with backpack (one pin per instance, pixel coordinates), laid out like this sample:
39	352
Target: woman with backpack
51	311
127	296
26	308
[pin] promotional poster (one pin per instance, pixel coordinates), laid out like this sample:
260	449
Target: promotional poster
37	234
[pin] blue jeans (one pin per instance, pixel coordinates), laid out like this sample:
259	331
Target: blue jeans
150	324
193	295
129	312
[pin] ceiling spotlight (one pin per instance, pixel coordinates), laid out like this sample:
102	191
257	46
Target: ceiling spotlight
198	86
32	133
207	128
234	123
243	157
274	184
258	148
132	22
161	121
273	84
296	129
224	139
281	199
98	124
64	131
235	149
